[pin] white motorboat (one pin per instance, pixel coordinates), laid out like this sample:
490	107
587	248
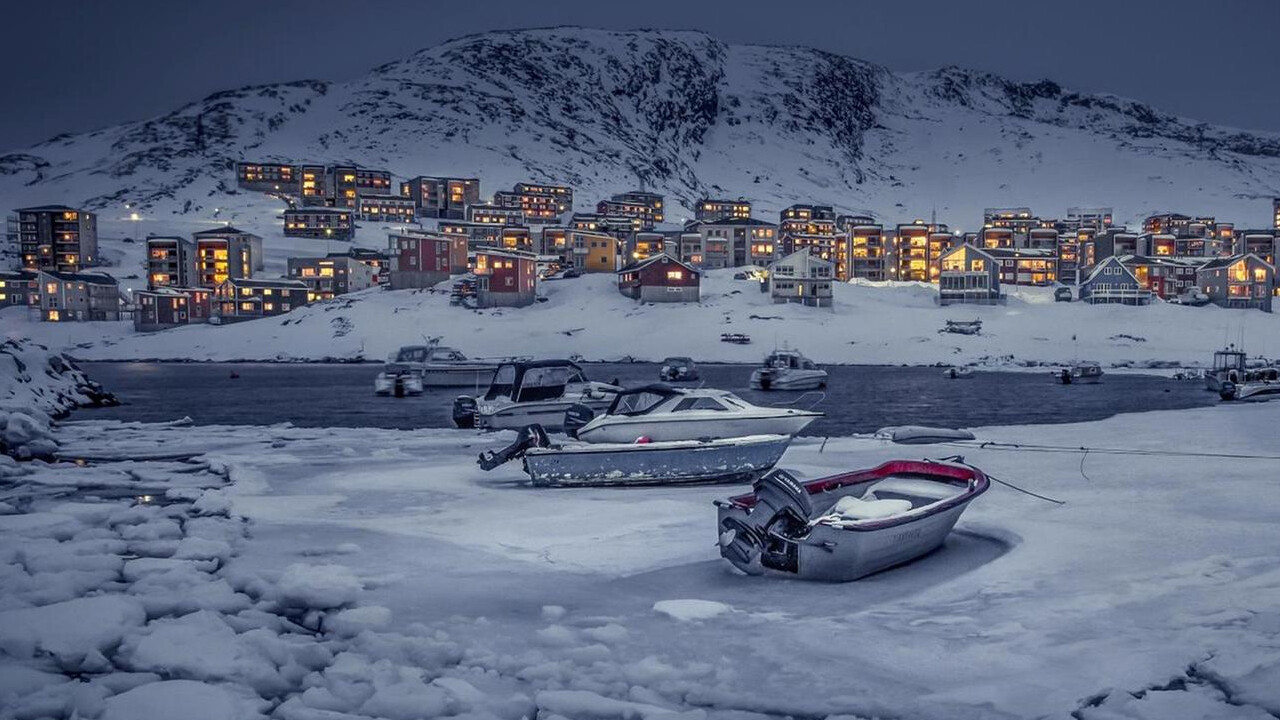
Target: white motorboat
648	463
1080	373
788	370
661	413
1258	385
1228	366
678	369
441	366
532	393
958	373
397	380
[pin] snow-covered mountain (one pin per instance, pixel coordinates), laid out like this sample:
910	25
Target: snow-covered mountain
678	112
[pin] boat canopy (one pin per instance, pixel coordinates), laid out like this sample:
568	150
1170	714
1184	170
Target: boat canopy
646	399
536	380
411	353
1228	360
677	360
640	400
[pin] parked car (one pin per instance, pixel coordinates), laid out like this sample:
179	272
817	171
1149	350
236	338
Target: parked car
1063	294
1193	296
571	273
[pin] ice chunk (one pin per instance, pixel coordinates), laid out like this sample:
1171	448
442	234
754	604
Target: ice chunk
186	699
70	630
691	609
320	587
351	621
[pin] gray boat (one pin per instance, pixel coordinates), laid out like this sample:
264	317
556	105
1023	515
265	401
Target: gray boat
739	459
846	526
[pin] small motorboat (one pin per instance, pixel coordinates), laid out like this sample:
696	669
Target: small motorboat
437	365
962	327
846	526
678	369
641	463
1080	373
958	373
788	370
397	380
664	413
532	392
1258	386
735	338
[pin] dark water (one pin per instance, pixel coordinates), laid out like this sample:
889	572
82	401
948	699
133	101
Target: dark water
860	398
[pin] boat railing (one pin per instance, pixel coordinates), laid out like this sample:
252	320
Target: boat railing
820	397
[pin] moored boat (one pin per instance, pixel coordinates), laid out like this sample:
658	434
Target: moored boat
662	413
958	373
1228	366
532	392
646	463
437	365
788	369
846	526
1260	385
678	369
1081	373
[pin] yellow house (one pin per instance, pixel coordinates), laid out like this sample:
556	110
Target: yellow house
595	252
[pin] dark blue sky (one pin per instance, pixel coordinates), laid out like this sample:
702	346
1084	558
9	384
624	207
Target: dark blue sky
75	66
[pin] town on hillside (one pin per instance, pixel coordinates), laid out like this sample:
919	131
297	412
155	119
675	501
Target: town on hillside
496	252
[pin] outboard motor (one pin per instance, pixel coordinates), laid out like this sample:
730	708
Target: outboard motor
529	436
767	536
464	411
1227	391
575	417
1065	376
766	379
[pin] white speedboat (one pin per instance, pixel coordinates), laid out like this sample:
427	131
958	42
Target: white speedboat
441	366
788	370
1080	373
660	413
532	393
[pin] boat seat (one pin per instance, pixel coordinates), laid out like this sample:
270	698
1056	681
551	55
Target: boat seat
853	508
914	487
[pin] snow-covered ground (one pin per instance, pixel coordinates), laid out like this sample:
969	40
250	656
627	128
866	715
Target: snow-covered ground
868	325
311	574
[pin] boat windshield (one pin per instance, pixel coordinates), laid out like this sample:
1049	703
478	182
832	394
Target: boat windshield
1228	360
503	382
411	354
447	355
698	403
677	361
636	403
545	383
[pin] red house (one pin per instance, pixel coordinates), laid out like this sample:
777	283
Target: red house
660	278
504	279
420	260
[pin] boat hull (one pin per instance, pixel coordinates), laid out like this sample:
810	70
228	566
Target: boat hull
1250	392
398	386
731	460
623	431
548	414
475	376
769	380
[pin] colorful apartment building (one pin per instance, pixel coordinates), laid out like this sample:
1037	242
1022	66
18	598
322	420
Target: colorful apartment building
329	277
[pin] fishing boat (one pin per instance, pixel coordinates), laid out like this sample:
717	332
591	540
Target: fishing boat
1259	385
958	373
738	459
678	369
1229	365
846	526
532	392
662	413
788	369
1080	373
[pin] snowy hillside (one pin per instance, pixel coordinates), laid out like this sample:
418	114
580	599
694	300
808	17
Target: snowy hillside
677	112
868	325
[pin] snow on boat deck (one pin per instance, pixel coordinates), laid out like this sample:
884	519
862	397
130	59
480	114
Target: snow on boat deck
488	596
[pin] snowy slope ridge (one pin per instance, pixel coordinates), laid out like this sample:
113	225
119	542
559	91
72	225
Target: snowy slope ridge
677	112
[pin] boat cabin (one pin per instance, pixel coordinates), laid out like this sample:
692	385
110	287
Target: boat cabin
532	381
790	360
1224	360
418	354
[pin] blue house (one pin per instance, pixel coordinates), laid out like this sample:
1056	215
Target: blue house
1112	282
